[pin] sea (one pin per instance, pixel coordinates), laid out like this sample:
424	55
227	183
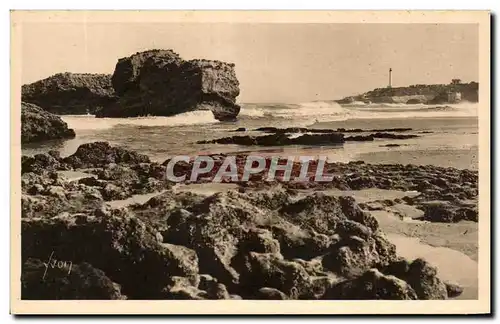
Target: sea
448	134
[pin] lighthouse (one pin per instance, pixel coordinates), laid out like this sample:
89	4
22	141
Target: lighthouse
390	78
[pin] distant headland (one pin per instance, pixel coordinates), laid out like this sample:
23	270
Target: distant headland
454	92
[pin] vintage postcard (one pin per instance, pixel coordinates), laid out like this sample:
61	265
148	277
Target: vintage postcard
250	162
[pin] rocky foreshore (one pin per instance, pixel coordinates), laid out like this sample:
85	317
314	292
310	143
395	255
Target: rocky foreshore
247	244
39	125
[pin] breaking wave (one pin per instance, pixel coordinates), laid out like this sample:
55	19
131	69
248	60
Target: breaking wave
299	114
325	111
89	122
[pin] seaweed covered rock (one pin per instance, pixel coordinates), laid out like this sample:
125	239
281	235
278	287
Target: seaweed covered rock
70	93
161	83
39	125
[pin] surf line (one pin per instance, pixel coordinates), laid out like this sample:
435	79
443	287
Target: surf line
53	263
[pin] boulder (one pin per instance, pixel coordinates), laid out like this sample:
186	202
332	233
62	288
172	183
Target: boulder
372	285
40	163
39	125
70	93
99	154
161	83
422	277
270	294
127	250
453	290
271	270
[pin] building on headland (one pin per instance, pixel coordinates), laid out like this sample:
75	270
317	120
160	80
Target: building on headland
454	96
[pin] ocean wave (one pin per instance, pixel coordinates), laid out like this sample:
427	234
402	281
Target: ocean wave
326	111
89	122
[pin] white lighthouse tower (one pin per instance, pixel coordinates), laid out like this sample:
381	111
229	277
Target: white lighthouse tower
390	78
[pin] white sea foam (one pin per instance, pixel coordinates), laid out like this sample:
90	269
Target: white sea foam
324	111
302	114
89	122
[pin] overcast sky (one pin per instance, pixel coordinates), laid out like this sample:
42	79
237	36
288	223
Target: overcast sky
274	62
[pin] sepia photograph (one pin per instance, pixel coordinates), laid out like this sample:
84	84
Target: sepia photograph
250	162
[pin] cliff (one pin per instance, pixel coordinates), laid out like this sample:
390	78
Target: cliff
39	125
420	93
70	93
161	83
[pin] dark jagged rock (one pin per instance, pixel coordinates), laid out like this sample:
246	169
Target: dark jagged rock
271	270
53	200
423	279
453	290
329	211
127	250
352	255
39	125
213	288
393	136
446	212
270	294
326	130
64	280
182	288
280	139
160	83
360	138
42	162
382	135
295	242
372	285
70	93
98	154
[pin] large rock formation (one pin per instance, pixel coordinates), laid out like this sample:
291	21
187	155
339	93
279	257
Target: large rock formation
70	93
39	125
161	83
